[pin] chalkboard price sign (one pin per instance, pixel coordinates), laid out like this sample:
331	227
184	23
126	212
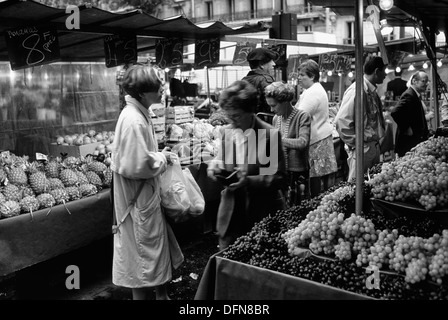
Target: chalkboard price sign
206	52
120	49
169	52
32	46
241	51
335	63
294	61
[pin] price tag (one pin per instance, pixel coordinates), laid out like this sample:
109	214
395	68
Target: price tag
120	49
206	52
32	46
41	157
241	51
335	63
169	52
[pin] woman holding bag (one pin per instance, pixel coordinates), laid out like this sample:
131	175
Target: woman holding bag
145	248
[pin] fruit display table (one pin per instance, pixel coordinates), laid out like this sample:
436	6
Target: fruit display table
26	240
225	279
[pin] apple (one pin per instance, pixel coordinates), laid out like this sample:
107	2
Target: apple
60	140
93	140
78	142
109	148
107	161
102	150
68	140
96	153
91	133
99	137
87	140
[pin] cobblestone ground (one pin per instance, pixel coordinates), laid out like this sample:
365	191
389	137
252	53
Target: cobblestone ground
46	280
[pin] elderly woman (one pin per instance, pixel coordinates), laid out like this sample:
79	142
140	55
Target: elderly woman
314	100
145	248
294	126
253	148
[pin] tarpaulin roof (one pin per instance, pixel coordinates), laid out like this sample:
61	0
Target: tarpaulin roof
87	42
432	13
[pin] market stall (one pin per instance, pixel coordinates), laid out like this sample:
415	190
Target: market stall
59	103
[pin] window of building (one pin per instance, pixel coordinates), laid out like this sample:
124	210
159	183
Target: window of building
209	5
231	9
308	28
253	9
350	32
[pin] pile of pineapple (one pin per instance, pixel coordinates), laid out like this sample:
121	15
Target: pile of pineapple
27	186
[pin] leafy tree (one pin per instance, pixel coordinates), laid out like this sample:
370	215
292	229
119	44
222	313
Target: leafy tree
148	6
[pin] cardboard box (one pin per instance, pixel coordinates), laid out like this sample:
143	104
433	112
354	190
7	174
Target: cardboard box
159	123
75	151
158	109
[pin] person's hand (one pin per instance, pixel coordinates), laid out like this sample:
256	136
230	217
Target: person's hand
242	182
429	115
168	155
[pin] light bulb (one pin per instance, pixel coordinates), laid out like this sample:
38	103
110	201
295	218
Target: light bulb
329	73
439	63
350	74
398	69
386	5
411	67
425	65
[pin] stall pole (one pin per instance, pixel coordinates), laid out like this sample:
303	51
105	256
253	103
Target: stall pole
359	125
208	82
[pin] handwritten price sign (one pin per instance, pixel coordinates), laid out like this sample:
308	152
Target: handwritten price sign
32	46
241	51
335	63
120	49
206	52
169	52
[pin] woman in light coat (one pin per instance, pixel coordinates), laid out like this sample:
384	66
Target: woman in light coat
145	248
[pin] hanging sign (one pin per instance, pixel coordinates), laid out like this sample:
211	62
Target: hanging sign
294	61
335	63
32	46
206	52
120	49
169	52
241	51
280	49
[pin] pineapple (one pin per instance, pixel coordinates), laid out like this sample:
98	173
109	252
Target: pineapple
3	176
87	190
29	204
82	179
94	179
39	182
107	178
73	193
55	183
96	166
17	176
9	209
70	162
68	177
52	169
60	195
27	191
12	192
46	200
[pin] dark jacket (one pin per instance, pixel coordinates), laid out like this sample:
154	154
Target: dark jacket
260	79
240	209
411	123
397	86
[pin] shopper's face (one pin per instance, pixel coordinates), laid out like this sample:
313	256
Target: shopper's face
276	107
304	80
422	83
269	66
149	98
380	75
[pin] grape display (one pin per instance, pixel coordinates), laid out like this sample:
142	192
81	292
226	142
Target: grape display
413	254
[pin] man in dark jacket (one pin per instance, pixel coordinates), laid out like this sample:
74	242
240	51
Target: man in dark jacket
410	115
261	62
397	86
